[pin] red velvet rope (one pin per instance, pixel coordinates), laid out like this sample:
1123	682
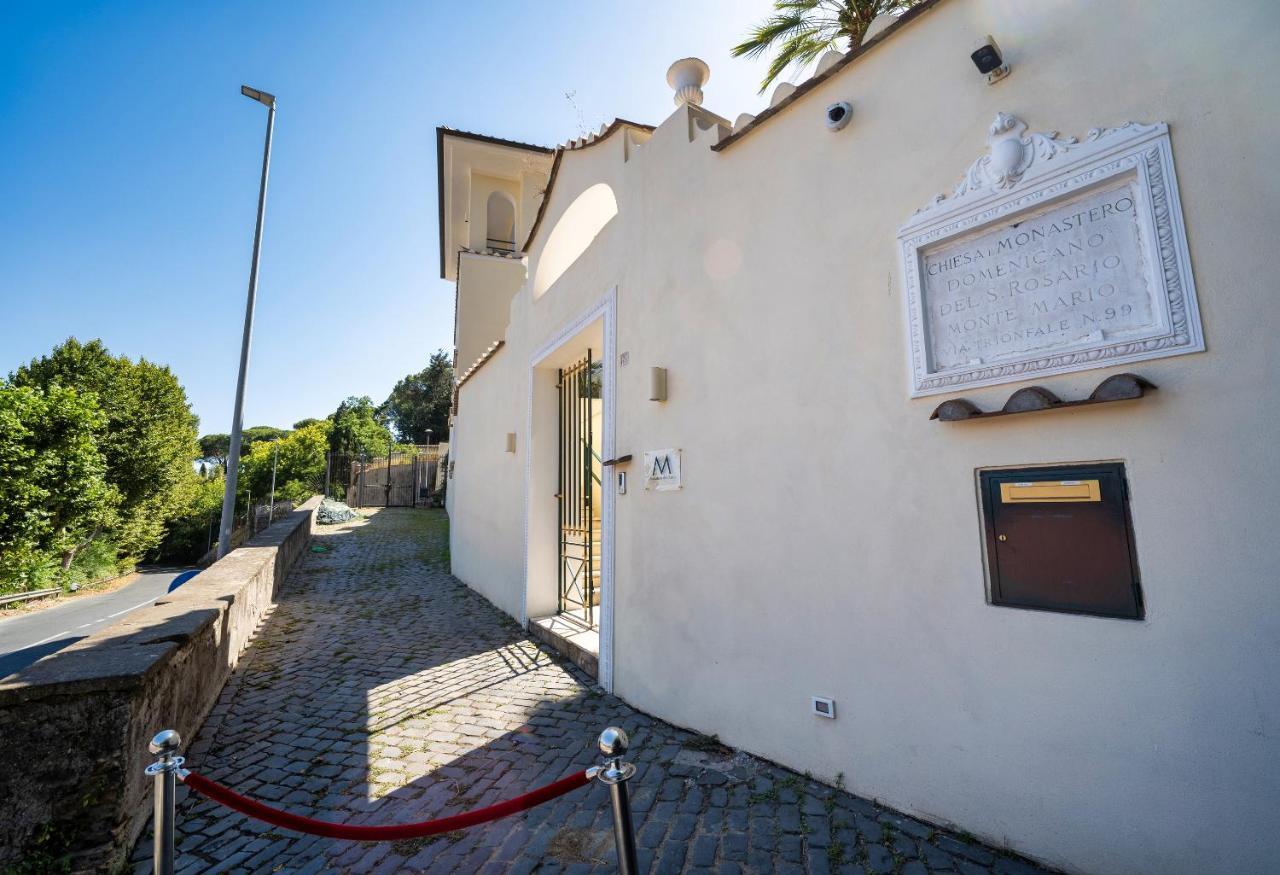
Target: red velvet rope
275	816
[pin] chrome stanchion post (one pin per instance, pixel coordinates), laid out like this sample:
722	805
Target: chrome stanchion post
616	773
166	770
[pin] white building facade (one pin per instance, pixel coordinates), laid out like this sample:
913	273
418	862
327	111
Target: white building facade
1058	627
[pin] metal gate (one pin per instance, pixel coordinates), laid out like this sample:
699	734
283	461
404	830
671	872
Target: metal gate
398	479
580	473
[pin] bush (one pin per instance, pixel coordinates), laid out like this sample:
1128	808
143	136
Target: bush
295	491
26	570
187	537
98	561
299	469
23	568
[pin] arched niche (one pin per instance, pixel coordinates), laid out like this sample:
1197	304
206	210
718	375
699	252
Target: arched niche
500	222
573	234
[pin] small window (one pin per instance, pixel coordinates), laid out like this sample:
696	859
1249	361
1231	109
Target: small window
500	227
1060	539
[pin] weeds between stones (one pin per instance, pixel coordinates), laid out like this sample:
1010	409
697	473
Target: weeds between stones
708	744
574	845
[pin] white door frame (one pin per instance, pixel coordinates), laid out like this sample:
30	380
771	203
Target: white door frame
605	307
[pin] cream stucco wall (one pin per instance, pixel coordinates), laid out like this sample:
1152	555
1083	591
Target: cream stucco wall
486	532
827	538
485	286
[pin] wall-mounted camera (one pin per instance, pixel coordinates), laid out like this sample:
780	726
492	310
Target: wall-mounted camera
987	58
838	115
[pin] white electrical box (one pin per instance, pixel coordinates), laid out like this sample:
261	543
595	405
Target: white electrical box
622	482
824	707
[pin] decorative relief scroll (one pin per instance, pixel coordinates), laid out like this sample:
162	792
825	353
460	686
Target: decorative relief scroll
1050	255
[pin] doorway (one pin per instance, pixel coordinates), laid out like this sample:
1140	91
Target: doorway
570	503
580	490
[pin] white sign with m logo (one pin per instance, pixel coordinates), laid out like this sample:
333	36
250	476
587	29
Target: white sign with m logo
662	470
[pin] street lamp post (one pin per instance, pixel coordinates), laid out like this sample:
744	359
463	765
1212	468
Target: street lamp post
233	454
275	459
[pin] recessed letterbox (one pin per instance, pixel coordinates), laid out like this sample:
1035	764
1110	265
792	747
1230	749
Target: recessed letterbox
1059	539
1049	491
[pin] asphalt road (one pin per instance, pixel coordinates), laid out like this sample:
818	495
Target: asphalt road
27	637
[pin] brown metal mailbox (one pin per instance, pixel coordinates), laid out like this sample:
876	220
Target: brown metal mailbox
1059	539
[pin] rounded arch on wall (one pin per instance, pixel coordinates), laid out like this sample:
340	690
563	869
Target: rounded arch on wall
574	232
500	221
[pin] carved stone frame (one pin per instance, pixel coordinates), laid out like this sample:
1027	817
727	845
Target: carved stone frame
1022	172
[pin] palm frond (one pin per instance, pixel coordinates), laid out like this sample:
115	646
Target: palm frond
796	52
801	30
797	5
775	29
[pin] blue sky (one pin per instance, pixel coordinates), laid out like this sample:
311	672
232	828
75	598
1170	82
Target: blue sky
130	169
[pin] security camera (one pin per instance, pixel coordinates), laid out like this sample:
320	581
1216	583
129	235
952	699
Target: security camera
838	115
987	58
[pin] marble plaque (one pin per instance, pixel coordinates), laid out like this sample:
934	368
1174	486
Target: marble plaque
1072	275
1050	256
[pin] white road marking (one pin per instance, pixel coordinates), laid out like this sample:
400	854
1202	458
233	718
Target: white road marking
64	632
127	610
51	637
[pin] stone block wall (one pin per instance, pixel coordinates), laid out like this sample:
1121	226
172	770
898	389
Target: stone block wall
74	726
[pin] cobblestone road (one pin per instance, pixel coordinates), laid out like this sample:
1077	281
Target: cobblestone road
382	690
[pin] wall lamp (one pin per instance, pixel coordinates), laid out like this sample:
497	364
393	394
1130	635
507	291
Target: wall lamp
987	58
657	384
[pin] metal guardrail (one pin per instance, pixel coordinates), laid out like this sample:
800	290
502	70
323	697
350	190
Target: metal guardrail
26	596
75	587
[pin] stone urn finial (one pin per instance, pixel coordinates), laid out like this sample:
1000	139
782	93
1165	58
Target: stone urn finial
687	76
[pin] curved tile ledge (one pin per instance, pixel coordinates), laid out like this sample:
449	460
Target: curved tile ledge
1117	387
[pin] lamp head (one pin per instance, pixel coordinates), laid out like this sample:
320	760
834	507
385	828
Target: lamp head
261	96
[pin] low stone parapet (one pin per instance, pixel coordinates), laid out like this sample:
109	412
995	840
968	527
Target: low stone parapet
74	726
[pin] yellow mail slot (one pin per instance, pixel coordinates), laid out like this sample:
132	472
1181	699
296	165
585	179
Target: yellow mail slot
1050	490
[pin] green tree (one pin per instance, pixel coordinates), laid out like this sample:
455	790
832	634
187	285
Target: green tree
420	402
356	429
216	447
193	528
799	31
299	469
303	423
256	434
54	495
149	438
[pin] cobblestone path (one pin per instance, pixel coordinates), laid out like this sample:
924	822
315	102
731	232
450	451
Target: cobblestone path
382	690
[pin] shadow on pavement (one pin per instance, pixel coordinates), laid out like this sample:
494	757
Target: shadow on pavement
381	690
20	659
182	578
